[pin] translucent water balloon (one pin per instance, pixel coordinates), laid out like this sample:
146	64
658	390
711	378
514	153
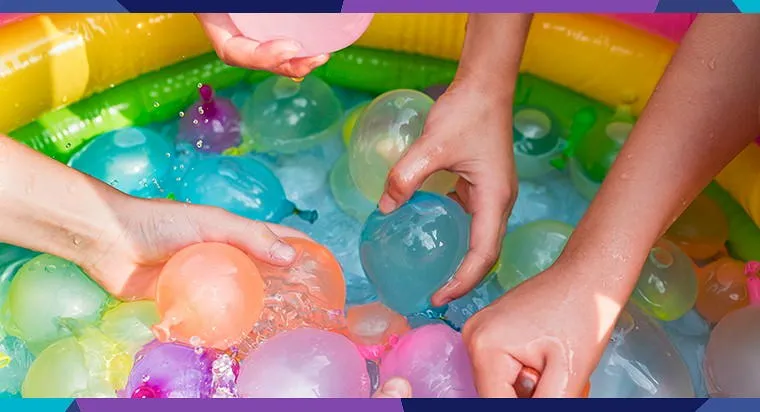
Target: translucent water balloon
640	362
11	259
530	249
15	360
170	370
287	116
241	185
383	133
208	294
689	335
346	195
702	229
129	324
536	141
210	125
311	292
732	360
87	365
597	150
722	289
317	33
434	360
667	286
372	327
305	363
135	160
46	290
350	122
412	252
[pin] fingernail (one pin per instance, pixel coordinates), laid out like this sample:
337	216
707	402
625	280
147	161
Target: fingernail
387	204
397	388
319	60
283	251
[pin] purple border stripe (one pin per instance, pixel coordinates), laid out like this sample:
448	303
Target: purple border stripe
241	405
474	6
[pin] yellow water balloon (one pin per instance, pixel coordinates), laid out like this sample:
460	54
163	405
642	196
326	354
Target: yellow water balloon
129	324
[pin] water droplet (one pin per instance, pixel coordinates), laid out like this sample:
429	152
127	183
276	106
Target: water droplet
195	341
711	64
76	241
181	114
50	268
198	350
68	146
199	144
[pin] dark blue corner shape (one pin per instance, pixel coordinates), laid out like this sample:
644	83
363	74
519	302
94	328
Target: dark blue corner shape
552	405
74	407
233	6
697	6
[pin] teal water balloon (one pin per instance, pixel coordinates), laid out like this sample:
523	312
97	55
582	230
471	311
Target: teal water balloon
345	193
15	360
412	252
240	185
135	160
46	291
529	250
287	116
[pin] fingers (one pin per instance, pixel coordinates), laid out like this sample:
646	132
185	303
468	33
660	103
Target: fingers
394	388
277	56
488	226
252	237
408	175
495	372
285	231
554	380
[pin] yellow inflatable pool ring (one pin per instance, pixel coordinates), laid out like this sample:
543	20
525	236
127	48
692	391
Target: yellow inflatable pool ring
47	61
593	55
741	178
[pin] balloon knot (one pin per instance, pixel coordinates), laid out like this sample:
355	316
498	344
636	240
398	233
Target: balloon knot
371	352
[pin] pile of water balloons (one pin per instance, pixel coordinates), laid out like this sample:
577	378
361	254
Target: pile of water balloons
353	310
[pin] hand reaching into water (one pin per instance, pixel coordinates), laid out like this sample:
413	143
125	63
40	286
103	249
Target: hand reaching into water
236	50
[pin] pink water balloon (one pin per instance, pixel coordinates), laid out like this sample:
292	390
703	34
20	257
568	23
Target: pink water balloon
317	33
434	360
305	363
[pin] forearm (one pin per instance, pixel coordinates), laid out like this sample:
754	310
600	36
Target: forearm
492	51
49	207
704	113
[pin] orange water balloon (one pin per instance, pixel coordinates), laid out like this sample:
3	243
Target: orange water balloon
702	229
311	292
722	289
210	295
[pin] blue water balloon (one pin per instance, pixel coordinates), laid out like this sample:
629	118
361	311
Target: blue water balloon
135	160
241	185
15	360
412	252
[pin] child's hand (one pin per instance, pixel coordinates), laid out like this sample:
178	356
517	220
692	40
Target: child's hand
153	230
236	50
552	323
468	132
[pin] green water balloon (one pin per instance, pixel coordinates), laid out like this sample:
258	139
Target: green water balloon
46	290
529	250
129	324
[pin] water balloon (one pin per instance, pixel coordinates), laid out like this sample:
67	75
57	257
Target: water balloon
346	195
129	324
208	294
211	124
536	141
383	133
15	360
285	116
702	229
135	160
732	360
412	252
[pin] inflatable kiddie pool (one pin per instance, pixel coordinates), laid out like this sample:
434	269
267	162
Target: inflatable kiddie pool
74	77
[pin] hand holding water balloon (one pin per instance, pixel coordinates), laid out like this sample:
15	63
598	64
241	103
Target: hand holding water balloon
277	56
487	182
154	230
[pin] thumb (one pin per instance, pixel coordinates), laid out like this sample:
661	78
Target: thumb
408	174
251	236
394	388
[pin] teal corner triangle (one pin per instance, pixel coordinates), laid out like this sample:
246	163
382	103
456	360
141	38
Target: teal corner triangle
37	405
748	6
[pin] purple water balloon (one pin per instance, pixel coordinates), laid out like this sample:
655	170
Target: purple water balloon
305	363
170	370
434	360
211	124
